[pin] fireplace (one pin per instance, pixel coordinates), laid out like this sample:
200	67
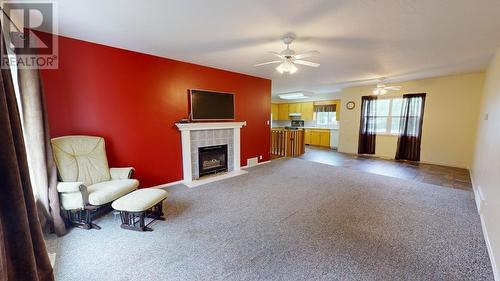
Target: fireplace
203	134
212	159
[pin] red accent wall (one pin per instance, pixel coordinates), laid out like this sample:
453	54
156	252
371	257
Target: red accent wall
133	100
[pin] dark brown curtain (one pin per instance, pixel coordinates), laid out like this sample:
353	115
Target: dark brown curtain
22	250
325	108
410	132
37	138
367	136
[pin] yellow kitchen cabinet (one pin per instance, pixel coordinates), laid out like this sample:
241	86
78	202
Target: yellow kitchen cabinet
315	137
307	136
307	110
294	108
319	137
275	111
325	138
283	111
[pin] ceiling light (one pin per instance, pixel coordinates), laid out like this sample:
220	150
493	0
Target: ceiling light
380	91
295	96
287	67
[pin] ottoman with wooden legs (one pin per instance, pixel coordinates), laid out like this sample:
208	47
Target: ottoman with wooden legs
136	206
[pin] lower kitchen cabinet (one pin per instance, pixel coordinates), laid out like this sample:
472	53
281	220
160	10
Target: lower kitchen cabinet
307	136
324	139
317	137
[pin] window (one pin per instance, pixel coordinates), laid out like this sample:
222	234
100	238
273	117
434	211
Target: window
326	119
325	115
388	115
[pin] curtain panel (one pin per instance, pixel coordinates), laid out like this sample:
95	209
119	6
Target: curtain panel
367	135
22	249
37	139
325	108
410	131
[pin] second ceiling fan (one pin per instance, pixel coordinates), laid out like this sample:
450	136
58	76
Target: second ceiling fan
382	88
288	58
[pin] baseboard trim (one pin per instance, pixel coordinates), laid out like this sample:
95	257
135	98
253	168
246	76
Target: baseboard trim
496	275
167	184
258	164
444	164
477	199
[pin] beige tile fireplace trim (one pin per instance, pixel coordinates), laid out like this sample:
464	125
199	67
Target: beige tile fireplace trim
186	129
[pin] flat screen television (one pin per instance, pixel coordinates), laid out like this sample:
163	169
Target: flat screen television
211	106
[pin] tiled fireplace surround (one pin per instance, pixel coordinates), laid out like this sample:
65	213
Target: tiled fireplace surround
205	138
195	135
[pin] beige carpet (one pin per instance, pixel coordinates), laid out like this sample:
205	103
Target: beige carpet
290	220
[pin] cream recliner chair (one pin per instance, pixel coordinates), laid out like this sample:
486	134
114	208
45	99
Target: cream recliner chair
85	180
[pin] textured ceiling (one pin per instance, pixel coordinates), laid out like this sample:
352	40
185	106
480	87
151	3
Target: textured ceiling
403	39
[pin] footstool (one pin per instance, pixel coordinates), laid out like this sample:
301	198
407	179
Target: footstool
137	205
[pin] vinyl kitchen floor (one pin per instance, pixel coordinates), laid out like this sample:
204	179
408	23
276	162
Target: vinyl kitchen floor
434	174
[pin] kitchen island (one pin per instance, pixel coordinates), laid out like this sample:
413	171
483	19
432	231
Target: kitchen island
287	142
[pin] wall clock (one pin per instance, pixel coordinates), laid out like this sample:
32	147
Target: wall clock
350	105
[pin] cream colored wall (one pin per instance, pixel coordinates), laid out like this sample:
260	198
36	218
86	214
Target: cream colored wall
450	118
486	167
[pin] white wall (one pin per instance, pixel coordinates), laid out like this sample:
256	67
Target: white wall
450	119
486	168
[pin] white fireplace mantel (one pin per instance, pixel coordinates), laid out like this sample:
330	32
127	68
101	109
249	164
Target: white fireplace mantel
186	129
210	126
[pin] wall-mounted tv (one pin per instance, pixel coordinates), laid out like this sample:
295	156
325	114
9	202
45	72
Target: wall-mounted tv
211	106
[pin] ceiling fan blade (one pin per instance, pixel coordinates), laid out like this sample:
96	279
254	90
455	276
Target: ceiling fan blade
306	55
276	54
393	88
269	62
308	63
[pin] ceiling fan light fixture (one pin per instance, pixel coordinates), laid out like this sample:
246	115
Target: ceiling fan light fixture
382	88
380	91
289	59
286	67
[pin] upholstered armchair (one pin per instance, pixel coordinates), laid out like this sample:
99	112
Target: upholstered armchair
85	180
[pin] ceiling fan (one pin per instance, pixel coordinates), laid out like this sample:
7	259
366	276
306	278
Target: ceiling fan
288	58
382	89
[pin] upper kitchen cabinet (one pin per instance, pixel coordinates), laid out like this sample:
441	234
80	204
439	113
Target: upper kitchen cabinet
294	108
302	110
307	110
283	111
275	111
